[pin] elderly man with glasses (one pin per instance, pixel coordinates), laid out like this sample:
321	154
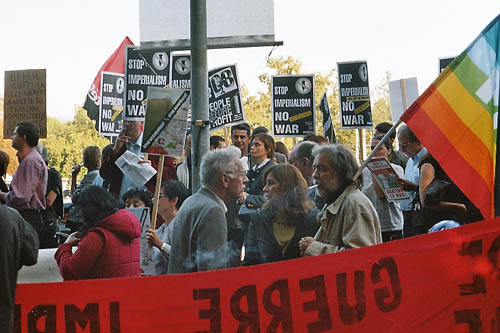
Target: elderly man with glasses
199	237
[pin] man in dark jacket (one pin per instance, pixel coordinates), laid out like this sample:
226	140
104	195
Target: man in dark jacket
18	247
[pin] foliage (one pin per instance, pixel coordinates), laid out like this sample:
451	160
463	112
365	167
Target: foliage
66	141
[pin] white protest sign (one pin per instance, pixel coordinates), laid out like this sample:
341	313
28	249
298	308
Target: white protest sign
402	94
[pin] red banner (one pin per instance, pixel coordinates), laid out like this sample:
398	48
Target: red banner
448	281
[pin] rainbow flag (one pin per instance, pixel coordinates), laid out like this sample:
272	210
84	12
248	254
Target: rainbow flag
456	118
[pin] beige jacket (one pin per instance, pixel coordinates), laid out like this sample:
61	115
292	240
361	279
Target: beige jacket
351	221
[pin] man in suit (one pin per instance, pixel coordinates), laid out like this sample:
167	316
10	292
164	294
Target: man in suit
199	237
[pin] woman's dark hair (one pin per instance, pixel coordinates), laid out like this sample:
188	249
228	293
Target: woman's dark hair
281	148
387	143
95	203
268	142
293	203
4	162
174	188
142	194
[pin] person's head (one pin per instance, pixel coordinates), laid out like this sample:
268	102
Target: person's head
26	134
187	145
4	162
96	203
301	157
409	143
106	151
334	168
173	194
286	190
319	139
385	150
383	128
281	148
240	136
42	150
138	198
222	172
132	129
259	130
262	147
91	157
217	142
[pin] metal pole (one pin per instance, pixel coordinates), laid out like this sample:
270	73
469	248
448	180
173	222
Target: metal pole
199	88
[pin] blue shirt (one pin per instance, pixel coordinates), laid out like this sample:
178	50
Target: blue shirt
412	173
127	183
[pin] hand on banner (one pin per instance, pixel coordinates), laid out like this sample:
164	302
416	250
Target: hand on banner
144	161
73	239
153	238
407	185
304	243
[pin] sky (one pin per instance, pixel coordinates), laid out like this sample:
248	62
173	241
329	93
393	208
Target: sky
72	39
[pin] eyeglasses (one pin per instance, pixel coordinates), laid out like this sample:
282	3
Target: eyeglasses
240	174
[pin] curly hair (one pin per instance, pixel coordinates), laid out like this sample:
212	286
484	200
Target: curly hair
96	204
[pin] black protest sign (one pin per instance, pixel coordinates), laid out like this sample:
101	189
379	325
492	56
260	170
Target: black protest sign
25	100
111	108
224	99
355	108
292	104
180	75
143	69
443	62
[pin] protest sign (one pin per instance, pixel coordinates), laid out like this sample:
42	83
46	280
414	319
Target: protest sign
180	71
354	96
146	258
446	281
386	177
25	100
143	69
111	106
293	105
225	107
166	121
443	62
402	94
328	128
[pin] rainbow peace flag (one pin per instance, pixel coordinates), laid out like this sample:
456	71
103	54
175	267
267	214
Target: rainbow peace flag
456	118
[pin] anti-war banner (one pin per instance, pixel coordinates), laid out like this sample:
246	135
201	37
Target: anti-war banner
293	105
225	107
143	69
111	108
180	73
448	281
354	97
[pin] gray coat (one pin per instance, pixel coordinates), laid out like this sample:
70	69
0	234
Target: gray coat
199	237
18	247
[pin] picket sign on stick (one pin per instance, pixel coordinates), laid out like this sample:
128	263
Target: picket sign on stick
157	192
403	91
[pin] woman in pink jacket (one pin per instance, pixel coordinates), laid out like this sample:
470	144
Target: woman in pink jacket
108	245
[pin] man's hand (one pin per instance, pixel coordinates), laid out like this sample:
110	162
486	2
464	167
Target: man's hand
407	185
304	244
153	238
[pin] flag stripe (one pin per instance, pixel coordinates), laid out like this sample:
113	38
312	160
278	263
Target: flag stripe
461	103
479	191
459	135
471	77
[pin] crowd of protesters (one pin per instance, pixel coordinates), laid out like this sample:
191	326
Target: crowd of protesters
257	203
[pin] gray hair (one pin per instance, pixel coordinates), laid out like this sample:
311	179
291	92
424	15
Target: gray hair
343	161
42	150
216	162
305	149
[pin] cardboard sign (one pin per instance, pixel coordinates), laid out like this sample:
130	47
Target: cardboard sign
180	71
225	107
166	121
293	105
402	94
25	100
111	106
146	258
354	96
143	69
448	281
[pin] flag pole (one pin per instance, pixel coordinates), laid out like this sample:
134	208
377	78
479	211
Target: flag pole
381	142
